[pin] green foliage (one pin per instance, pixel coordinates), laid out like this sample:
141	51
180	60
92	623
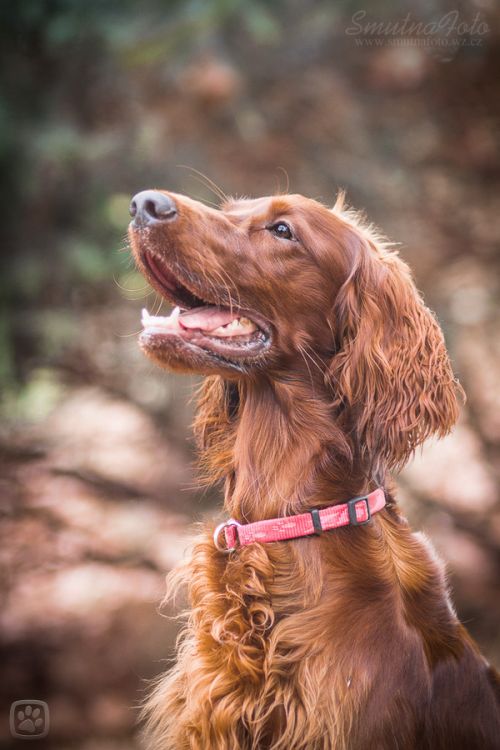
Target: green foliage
33	401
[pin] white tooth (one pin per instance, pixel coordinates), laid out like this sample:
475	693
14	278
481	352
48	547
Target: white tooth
148	319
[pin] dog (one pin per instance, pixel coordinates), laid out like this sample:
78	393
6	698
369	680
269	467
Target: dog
318	620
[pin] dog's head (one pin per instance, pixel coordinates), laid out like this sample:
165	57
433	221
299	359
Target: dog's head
283	287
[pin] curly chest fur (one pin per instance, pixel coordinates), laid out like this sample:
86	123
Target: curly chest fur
245	676
289	651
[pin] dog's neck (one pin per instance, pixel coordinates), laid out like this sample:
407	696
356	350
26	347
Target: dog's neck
292	455
289	453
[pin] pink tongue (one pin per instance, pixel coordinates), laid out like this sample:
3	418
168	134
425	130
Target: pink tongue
206	318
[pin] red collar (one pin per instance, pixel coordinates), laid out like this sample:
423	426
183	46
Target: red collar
355	512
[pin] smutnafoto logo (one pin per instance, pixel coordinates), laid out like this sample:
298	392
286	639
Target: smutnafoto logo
446	33
29	719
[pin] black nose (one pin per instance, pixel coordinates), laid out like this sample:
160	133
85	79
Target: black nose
151	207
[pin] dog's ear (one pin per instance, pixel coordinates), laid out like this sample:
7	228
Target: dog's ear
390	374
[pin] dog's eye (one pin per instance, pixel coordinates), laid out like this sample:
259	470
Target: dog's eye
282	230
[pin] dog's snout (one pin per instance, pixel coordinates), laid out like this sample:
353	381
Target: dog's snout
151	207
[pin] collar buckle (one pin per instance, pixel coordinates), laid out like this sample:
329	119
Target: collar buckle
351	509
316	521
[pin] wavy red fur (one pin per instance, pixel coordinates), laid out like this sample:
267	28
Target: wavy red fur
348	640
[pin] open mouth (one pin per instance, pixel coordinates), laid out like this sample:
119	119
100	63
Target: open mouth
226	332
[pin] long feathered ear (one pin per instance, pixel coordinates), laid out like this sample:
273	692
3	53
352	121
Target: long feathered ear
391	374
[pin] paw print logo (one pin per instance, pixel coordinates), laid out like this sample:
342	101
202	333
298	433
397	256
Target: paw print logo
29	720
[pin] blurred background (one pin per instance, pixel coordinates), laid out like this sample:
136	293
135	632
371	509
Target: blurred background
101	99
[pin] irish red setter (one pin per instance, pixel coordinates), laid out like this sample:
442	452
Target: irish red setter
324	371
